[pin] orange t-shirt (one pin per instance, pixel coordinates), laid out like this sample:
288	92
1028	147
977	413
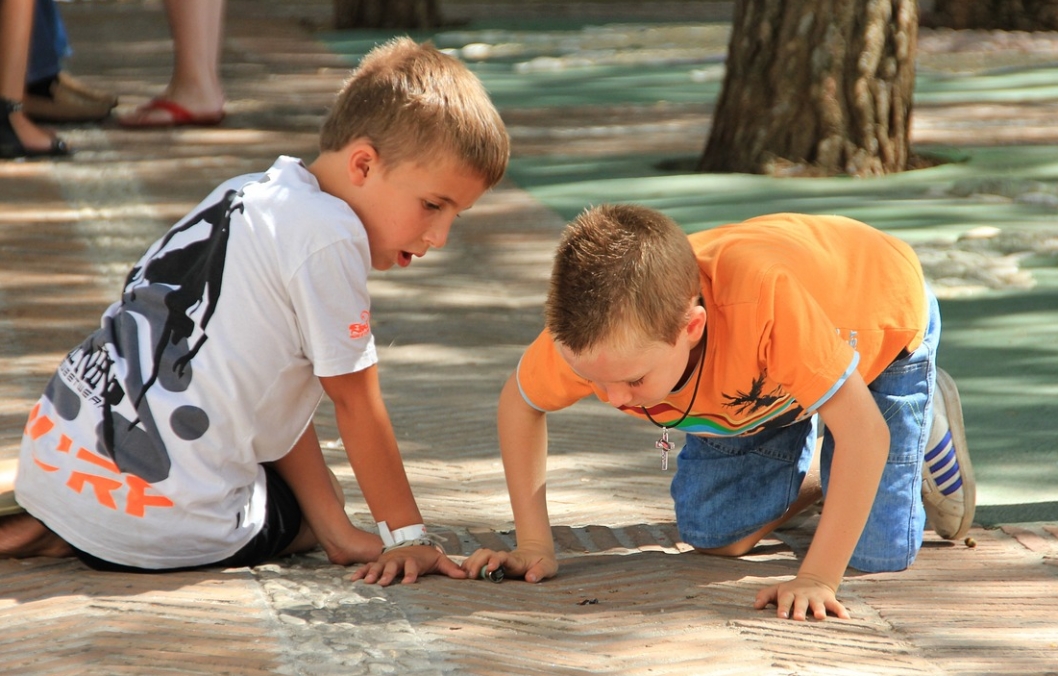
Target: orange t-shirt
793	304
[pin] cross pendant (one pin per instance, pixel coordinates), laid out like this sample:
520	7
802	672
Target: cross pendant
665	445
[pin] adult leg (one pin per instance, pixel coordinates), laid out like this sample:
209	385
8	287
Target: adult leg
194	94
48	46
198	32
19	137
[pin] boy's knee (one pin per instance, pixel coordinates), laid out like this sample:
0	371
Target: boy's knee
894	563
735	549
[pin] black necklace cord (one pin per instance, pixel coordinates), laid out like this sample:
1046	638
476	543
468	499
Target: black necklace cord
694	395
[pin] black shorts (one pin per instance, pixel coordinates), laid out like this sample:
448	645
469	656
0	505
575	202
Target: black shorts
281	526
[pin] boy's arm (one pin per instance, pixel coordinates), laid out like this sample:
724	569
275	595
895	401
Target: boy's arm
523	445
305	471
371	447
861	447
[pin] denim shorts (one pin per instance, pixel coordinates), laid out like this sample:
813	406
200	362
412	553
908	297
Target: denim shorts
727	488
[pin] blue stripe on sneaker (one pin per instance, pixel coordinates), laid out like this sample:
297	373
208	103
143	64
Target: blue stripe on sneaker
940	456
949	458
933	452
954	487
954	471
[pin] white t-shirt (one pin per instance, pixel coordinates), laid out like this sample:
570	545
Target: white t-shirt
146	447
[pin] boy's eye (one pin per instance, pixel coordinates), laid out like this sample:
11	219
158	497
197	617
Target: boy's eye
636	383
430	206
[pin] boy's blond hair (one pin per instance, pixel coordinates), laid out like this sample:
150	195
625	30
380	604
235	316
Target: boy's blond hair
623	275
415	103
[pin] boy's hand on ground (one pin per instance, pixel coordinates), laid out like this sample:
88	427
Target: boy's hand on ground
801	595
524	563
412	561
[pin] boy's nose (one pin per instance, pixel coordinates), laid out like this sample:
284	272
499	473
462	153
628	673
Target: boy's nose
618	395
437	236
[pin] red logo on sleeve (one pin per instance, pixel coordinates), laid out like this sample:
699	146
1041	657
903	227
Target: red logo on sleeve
361	328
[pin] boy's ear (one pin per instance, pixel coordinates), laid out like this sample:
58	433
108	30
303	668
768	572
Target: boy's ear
696	325
363	159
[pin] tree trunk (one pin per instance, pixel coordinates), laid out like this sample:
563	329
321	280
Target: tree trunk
1005	15
816	87
410	14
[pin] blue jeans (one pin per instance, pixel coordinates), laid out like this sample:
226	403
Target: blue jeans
49	45
728	488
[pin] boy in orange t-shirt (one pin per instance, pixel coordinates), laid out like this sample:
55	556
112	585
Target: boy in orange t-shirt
752	338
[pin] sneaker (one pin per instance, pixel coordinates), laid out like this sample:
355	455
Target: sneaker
948	488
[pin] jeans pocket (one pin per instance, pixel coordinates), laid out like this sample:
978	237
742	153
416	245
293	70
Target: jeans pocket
902	394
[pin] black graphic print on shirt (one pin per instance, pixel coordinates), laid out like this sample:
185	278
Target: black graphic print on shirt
763	410
166	308
755	399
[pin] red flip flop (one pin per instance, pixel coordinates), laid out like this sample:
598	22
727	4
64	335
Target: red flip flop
178	116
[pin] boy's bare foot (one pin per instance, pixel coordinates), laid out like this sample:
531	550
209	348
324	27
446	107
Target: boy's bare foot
22	536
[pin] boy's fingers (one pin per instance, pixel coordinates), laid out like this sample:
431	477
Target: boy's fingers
839	609
409	568
540	571
447	566
766	596
482	558
367	572
819	610
495	560
474	562
411	571
389	572
784	602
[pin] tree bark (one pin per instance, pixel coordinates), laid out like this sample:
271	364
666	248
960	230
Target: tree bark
816	87
410	14
1006	15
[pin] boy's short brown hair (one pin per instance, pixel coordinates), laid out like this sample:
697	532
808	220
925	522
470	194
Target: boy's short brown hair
415	103
622	274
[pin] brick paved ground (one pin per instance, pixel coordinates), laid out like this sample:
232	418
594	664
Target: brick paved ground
630	599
